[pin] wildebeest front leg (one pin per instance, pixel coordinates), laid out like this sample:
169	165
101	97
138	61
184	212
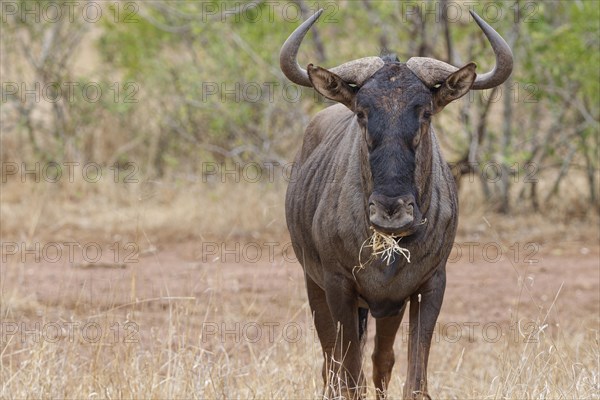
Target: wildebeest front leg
383	354
425	307
324	325
343	305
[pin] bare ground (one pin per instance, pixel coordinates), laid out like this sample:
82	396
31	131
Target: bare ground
231	320
487	283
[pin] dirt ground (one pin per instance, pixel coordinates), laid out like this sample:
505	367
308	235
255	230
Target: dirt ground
215	320
488	283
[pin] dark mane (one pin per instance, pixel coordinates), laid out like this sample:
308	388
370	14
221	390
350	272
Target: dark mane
389	57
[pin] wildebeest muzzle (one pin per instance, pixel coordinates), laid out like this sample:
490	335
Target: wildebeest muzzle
398	216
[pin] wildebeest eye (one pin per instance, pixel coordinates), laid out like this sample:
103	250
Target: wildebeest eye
422	111
360	115
425	112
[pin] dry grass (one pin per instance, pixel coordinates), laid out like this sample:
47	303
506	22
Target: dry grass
170	364
383	246
172	355
146	211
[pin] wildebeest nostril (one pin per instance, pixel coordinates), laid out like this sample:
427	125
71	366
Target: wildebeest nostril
407	206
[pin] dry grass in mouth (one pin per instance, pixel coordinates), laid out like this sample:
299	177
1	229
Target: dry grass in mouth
383	245
386	246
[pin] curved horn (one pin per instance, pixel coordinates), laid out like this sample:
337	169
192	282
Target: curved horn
356	71
289	52
432	71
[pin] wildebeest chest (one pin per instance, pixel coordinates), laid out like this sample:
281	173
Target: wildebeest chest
327	210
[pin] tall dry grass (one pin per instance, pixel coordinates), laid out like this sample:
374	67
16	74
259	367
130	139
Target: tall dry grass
147	211
170	352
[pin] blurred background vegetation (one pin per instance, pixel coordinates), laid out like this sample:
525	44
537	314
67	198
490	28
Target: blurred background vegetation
181	103
185	83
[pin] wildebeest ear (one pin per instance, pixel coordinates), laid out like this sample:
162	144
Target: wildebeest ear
454	87
331	86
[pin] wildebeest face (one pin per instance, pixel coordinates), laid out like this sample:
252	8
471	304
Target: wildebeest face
394	108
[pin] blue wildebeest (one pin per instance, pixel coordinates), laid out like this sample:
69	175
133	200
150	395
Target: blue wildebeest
373	162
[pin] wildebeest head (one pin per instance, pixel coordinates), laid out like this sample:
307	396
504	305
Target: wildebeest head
394	108
393	103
